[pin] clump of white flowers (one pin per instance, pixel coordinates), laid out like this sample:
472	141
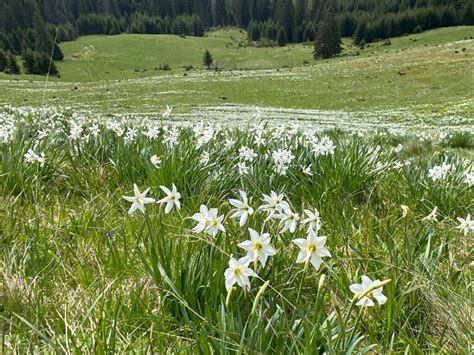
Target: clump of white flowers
32	158
208	220
282	159
238	273
274	203
247	154
439	172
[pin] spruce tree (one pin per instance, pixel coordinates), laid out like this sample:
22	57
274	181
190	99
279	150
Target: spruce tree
219	13
207	59
29	62
301	9
282	39
12	65
262	8
285	16
328	37
244	13
57	53
3	60
253	31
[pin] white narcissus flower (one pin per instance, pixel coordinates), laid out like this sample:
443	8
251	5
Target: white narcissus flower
202	218
313	220
166	113
312	249
139	200
258	247
375	294
289	219
439	172
172	198
204	158
31	157
215	223
238	273
155	160
432	216
274	203
243	169
466	225
470	178
307	170
242	209
208	221
405	210
247	154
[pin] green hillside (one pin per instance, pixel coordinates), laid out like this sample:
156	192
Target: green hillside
120	72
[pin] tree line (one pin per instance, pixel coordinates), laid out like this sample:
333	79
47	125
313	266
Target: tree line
32	28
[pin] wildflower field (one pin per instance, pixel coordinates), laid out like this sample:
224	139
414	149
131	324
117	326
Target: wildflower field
167	234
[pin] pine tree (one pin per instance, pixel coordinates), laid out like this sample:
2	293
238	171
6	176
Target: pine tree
29	61
12	65
359	34
301	9
262	8
282	38
207	60
328	37
57	53
244	13
309	33
3	61
253	31
285	16
219	13
43	41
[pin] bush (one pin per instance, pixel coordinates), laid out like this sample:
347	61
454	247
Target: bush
463	140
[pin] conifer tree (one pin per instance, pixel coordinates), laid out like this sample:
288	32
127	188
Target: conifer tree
12	65
328	37
207	59
282	39
285	16
244	13
219	13
3	61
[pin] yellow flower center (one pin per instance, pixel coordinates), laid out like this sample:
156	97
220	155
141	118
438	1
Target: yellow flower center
258	245
312	248
238	271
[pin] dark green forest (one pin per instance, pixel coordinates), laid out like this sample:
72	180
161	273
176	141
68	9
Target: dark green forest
32	28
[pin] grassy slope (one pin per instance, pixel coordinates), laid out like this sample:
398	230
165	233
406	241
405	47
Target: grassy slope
434	76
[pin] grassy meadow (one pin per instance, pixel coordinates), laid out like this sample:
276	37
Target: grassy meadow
428	73
322	207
